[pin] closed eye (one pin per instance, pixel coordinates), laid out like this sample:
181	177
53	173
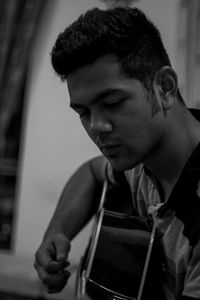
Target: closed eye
114	103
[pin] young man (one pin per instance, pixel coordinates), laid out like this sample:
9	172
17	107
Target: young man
125	91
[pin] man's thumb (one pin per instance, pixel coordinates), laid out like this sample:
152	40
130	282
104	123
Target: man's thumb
62	248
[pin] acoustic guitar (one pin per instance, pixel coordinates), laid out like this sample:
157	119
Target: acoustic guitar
122	260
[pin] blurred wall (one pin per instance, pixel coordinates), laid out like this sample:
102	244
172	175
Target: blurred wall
54	143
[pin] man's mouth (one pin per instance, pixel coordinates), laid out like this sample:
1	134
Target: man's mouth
109	150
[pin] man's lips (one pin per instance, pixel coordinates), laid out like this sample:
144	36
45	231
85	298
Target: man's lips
108	150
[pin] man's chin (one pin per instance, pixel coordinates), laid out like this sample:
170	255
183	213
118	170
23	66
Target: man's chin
121	165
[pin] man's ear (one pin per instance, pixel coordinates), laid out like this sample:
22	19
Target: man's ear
165	85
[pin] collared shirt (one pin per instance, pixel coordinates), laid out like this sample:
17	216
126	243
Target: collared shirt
178	224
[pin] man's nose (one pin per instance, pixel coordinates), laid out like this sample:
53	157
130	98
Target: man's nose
100	124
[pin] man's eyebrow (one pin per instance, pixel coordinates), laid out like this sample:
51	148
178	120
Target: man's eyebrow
106	93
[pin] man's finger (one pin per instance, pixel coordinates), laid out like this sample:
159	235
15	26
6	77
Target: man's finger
62	246
55	283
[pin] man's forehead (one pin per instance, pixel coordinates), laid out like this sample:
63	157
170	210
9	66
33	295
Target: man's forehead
98	97
103	66
98	79
92	78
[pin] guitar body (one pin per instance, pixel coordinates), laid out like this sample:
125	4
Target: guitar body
121	261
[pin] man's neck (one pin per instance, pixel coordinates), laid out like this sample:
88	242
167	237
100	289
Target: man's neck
170	157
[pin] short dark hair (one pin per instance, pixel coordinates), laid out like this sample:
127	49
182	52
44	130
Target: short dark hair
126	33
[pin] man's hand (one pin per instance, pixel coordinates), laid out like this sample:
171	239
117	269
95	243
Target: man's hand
51	262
